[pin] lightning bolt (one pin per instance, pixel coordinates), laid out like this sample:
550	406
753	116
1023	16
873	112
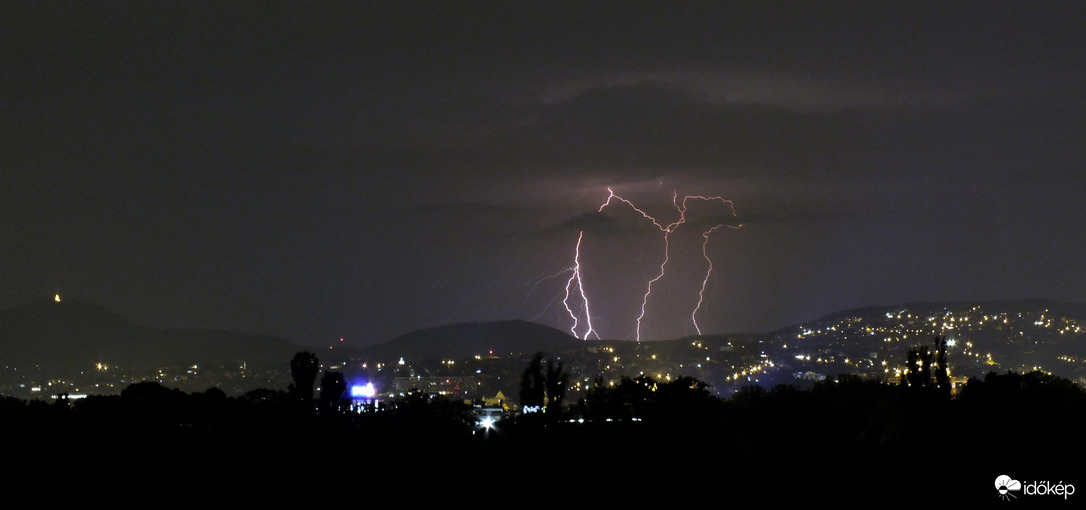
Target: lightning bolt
575	284
576	280
667	230
708	271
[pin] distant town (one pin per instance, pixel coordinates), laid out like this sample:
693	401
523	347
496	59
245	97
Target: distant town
809	407
869	343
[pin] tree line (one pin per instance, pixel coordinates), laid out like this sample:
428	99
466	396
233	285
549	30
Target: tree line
853	428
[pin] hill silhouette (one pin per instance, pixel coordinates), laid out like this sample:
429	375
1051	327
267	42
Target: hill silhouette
469	339
1056	308
76	335
63	340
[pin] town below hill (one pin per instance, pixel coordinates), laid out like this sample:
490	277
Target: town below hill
80	349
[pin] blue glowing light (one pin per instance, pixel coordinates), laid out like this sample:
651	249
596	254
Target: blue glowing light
363	390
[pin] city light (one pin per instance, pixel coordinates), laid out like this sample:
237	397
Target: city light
363	391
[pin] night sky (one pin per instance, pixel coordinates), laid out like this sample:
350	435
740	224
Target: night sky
366	169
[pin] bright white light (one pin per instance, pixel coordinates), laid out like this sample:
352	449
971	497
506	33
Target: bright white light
363	391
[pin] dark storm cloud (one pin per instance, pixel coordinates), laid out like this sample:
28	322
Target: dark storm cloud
415	157
596	223
795	216
732	86
756	88
642	129
715	220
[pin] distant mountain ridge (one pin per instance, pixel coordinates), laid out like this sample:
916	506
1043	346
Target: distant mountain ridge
1067	308
71	337
76	335
469	339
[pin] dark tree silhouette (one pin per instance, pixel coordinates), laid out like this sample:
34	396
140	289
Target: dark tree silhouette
264	395
533	388
927	368
557	383
941	368
683	396
333	388
149	392
645	398
630	398
544	389
303	370
917	367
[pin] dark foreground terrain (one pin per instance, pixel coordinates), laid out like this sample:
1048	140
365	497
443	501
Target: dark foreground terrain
849	441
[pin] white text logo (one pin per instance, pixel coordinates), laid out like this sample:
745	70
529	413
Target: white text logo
1007	487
